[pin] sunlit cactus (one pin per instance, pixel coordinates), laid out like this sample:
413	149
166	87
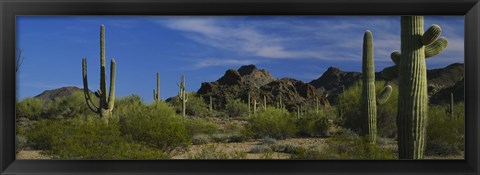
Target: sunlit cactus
106	105
183	95
410	67
369	99
210	105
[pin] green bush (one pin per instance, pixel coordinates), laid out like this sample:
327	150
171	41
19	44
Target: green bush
260	149
20	143
445	135
196	106
157	127
235	108
386	113
70	106
31	108
77	139
346	145
196	126
314	124
212	152
274	123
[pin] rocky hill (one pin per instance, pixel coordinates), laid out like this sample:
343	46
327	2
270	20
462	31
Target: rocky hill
249	79
334	80
49	95
237	84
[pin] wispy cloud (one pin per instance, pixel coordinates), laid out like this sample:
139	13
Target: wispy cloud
223	62
333	38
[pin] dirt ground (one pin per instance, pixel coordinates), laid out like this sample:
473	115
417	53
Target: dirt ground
246	146
241	147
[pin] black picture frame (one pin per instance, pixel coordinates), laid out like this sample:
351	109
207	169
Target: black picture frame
9	9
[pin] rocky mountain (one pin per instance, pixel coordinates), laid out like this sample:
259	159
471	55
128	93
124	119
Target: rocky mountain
237	84
334	80
49	95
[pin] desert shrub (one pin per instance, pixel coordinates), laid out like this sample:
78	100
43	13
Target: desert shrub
31	108
274	123
201	139
70	106
260	149
196	106
212	152
309	153
235	108
346	145
268	141
133	99
386	113
157	127
286	148
196	126
77	139
20	143
445	135
313	124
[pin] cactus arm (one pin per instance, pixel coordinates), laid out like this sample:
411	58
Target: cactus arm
86	92
396	57
431	34
384	95
103	80
436	47
111	95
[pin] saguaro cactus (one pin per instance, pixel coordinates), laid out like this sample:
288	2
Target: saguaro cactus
156	92
249	105
106	105
369	99
264	103
183	95
450	106
416	46
211	104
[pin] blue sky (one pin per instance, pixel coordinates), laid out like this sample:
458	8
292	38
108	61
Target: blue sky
203	48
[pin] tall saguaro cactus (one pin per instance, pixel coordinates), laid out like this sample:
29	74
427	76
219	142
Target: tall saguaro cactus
369	99
106	105
182	94
416	46
156	92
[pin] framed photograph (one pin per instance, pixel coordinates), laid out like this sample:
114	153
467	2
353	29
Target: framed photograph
239	87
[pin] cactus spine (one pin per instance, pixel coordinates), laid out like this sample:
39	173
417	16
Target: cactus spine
156	92
413	98
106	103
369	98
183	95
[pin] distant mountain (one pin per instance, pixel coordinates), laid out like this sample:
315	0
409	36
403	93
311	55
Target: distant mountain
49	95
237	84
334	79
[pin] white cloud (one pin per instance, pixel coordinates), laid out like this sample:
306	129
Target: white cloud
222	62
337	38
